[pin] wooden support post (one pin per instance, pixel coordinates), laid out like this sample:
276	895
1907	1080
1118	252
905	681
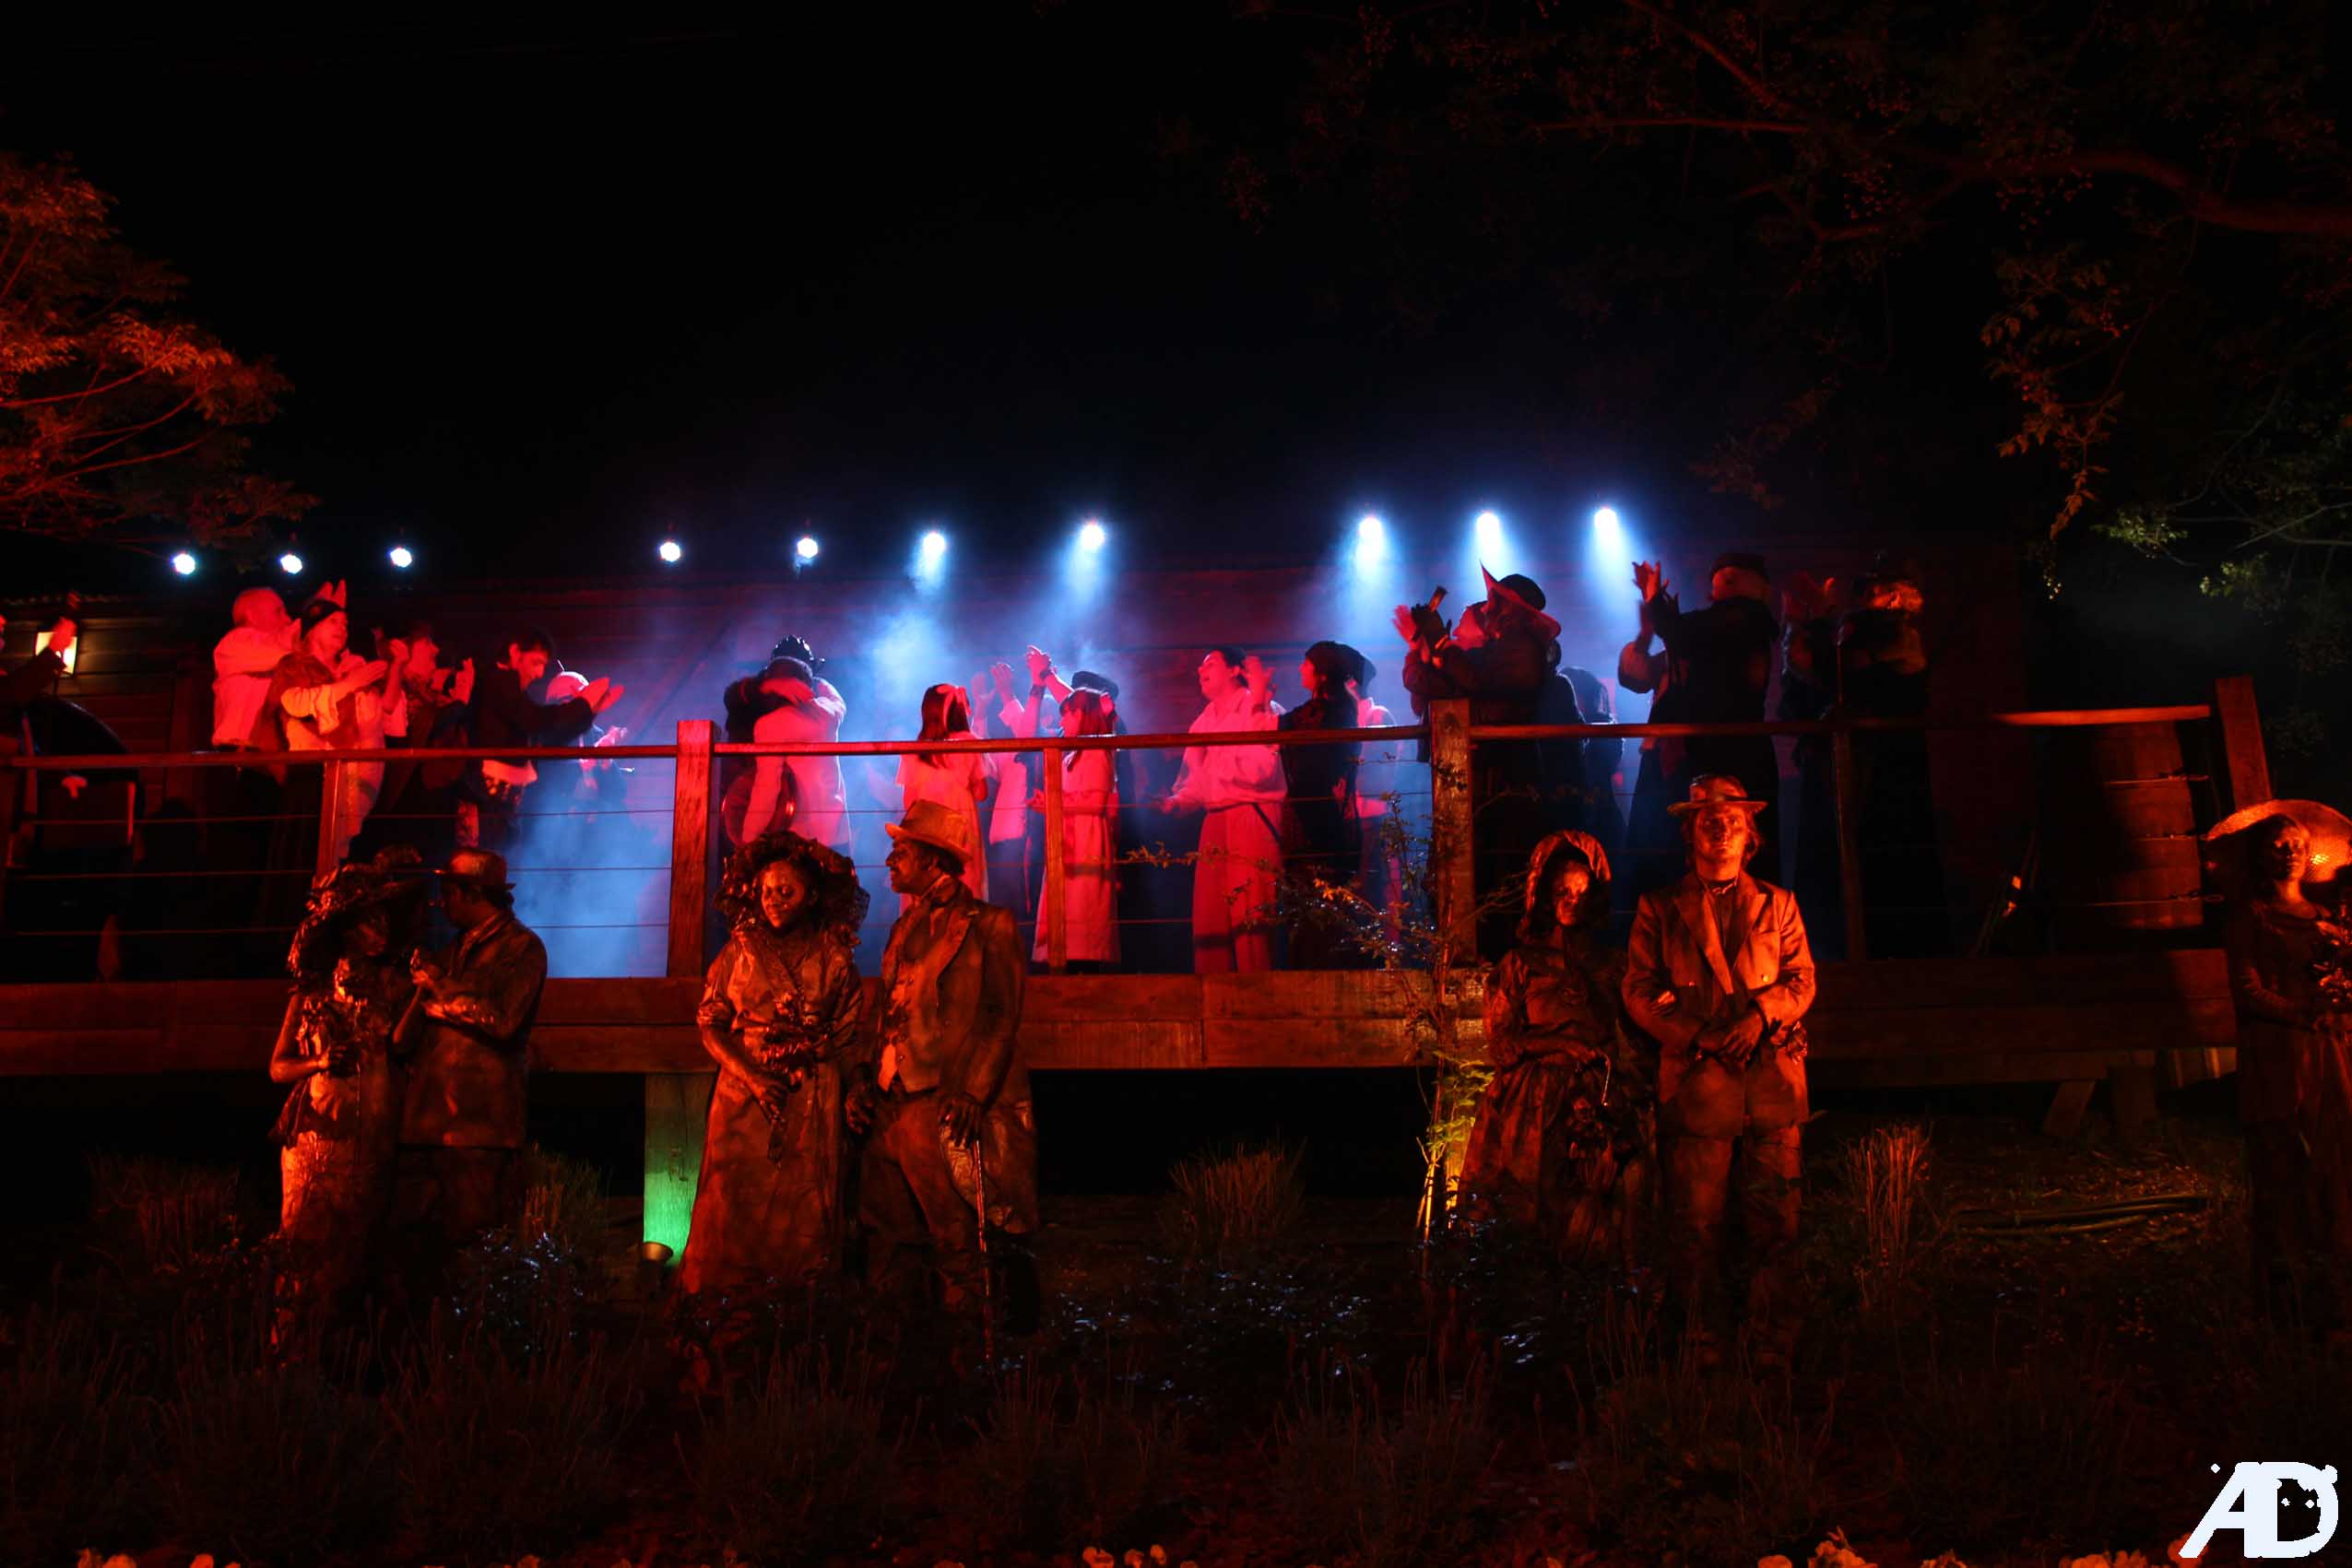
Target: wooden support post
1450	847
676	1106
330	817
2130	1089
2243	757
2066	1109
1849	848
690	851
1057	909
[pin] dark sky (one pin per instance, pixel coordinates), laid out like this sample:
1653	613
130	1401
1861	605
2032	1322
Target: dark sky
546	294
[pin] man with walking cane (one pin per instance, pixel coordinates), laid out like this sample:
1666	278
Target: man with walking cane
950	1154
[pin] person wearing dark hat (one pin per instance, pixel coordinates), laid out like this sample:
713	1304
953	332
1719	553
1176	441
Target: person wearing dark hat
467	1042
1324	835
779	1016
950	1136
505	714
1500	656
1719	975
1870	662
1715	669
340	1126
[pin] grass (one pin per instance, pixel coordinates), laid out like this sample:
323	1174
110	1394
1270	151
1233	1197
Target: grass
795	1466
72	1430
1386	1484
156	1216
1056	1460
1228	1205
1887	1172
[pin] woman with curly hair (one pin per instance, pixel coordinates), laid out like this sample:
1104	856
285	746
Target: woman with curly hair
1561	1146
779	1016
340	1129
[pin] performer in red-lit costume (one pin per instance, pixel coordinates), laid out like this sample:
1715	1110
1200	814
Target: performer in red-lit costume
1720	976
1238	792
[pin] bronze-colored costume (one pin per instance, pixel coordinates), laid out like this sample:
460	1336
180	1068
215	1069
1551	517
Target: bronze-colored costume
461	1118
341	1123
1700	957
951	1001
1561	1146
768	1205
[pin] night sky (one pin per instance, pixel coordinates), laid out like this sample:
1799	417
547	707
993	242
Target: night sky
544	295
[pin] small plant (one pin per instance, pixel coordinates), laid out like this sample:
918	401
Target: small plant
1227	1205
71	1426
1389	1489
276	1459
498	1450
563	1206
795	1467
1888	1175
1053	1462
159	1217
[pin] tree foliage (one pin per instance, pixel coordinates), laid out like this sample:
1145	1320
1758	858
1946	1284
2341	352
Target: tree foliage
120	418
2101	255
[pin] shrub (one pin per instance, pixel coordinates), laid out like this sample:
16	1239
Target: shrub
1389	1491
70	1430
1675	1458
794	1466
156	1217
1227	1205
498	1450
1039	1477
563	1206
278	1461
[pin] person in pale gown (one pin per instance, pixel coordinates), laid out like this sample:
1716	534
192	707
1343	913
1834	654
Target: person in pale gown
1089	834
957	780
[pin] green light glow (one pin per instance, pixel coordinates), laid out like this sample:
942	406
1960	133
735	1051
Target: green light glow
677	1105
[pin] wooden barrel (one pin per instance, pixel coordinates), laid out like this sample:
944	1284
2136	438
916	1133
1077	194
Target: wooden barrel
2121	838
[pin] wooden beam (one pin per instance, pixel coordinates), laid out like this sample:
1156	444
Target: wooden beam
690	850
2068	1107
330	818
677	1107
1451	872
2244	762
1850	844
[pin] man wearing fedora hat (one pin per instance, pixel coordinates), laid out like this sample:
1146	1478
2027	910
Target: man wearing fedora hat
466	1038
950	1139
1719	975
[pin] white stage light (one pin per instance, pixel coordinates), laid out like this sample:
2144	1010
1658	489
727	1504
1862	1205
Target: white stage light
671	551
1093	535
1608	530
934	548
806	548
1490	532
290	565
1371	543
403	558
184	564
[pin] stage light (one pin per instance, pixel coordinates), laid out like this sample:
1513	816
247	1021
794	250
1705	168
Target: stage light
934	547
806	548
184	564
1093	535
1371	544
290	565
671	551
402	556
1490	532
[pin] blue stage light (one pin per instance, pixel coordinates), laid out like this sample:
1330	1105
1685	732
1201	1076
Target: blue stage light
671	551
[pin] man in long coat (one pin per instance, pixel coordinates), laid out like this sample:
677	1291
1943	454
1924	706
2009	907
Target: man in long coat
951	1142
467	1039
1720	976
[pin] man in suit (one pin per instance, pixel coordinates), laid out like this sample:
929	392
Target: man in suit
1720	975
950	1138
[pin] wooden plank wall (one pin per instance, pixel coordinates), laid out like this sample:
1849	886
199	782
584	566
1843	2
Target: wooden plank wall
1926	1021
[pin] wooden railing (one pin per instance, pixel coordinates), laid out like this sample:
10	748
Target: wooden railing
1449	733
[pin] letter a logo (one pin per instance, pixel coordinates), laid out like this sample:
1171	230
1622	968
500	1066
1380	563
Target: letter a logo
2253	1489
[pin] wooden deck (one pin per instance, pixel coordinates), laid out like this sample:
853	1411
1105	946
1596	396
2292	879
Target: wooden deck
1923	1021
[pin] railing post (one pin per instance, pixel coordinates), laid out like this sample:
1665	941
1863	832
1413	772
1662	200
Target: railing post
2243	757
1850	850
1452	872
330	818
677	1103
690	851
1057	909
12	788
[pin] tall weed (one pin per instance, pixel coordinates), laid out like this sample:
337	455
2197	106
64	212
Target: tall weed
1228	1205
71	1436
795	1466
1388	1486
1053	1462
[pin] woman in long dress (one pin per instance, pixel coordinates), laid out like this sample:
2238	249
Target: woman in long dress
1561	1146
1090	834
2287	978
779	1016
323	697
340	1128
958	780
